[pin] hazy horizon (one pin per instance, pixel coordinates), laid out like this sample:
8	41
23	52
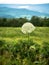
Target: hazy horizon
22	10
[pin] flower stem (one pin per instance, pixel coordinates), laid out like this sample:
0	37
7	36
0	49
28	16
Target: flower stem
28	37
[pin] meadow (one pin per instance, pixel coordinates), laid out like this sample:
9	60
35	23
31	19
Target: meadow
13	34
16	50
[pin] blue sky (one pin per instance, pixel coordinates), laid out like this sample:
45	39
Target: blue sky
27	4
44	8
41	6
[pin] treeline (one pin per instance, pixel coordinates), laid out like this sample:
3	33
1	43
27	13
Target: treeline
18	22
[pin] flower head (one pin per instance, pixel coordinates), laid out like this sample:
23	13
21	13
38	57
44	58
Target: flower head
27	27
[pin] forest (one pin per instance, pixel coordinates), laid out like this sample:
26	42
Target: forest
18	22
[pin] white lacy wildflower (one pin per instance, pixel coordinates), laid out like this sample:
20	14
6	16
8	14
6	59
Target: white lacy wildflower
28	28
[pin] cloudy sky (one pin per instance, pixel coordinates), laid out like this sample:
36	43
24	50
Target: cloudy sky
42	8
23	1
34	5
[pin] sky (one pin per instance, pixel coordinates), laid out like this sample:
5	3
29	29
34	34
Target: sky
23	1
34	5
44	8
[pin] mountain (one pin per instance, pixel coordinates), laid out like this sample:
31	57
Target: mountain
9	12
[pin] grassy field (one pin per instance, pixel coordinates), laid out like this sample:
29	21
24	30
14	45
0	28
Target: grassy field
13	34
17	52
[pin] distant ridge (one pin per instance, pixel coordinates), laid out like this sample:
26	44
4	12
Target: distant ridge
8	12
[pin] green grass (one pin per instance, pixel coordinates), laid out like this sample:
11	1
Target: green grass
9	43
13	34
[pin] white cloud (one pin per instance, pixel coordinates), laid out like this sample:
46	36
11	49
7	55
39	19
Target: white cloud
26	7
20	6
23	1
37	8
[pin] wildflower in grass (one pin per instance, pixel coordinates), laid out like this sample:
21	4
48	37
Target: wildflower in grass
27	28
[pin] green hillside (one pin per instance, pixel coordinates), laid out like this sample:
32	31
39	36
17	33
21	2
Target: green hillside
15	49
13	34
